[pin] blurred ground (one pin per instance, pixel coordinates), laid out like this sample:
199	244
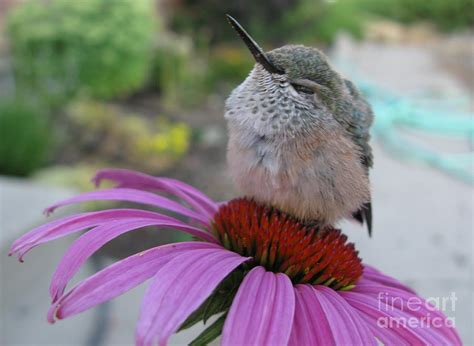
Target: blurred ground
423	218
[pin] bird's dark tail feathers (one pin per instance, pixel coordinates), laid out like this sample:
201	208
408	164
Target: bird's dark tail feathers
364	216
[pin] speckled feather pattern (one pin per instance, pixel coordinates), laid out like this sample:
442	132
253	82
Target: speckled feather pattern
307	154
349	108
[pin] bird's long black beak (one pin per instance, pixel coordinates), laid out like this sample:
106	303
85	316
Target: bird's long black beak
254	48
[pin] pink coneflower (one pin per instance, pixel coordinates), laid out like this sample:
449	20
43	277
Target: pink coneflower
274	280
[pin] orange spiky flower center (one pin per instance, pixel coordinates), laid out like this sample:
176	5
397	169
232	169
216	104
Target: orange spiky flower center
281	243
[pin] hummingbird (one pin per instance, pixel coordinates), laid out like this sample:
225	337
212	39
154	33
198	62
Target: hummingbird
299	136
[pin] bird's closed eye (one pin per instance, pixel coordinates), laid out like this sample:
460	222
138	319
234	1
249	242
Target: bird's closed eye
306	86
303	89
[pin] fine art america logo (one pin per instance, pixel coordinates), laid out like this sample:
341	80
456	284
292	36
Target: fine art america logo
389	303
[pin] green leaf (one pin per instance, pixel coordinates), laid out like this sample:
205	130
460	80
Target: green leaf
219	301
214	304
210	333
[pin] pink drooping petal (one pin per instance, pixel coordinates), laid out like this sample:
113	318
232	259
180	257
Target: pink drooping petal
26	238
323	317
399	299
87	244
132	195
378	314
310	327
137	180
262	311
71	224
414	327
179	288
338	312
372	275
118	278
416	308
386	336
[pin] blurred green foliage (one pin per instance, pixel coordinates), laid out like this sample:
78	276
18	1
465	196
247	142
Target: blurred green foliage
446	15
185	75
320	21
99	47
277	22
179	71
274	21
102	131
206	18
170	139
25	135
229	65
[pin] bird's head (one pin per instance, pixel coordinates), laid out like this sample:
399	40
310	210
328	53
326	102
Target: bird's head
291	89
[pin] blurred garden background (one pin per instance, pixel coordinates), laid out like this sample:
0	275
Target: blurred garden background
141	84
